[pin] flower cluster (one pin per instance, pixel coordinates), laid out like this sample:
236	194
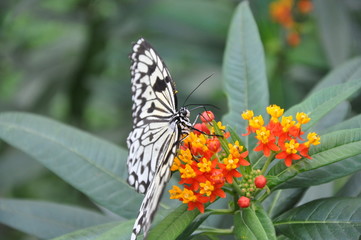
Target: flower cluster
283	11
209	158
204	167
281	136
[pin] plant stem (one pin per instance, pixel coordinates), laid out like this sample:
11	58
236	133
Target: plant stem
267	163
236	187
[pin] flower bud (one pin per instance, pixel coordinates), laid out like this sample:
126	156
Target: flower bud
260	181
207	116
202	128
244	202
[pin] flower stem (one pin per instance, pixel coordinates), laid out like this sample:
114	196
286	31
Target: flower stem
236	187
267	163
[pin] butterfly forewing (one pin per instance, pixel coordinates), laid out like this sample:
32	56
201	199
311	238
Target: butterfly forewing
157	130
154	105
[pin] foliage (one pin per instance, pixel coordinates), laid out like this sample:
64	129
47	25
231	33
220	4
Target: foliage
78	74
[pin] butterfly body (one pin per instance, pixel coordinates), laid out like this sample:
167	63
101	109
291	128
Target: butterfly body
158	128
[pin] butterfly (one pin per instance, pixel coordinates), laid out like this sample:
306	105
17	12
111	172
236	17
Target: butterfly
158	129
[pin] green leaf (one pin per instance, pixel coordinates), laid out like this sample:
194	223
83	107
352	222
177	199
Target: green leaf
174	224
46	220
352	188
333	218
322	102
94	166
193	226
335	30
10	162
334	117
354	122
253	223
327	163
120	232
244	70
348	71
282	200
116	230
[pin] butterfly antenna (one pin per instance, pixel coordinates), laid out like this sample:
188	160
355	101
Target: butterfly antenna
197	87
199	105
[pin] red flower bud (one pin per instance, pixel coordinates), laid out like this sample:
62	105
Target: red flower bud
202	128
244	202
214	145
207	116
260	181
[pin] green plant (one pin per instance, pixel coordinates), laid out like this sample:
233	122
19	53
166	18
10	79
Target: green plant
98	168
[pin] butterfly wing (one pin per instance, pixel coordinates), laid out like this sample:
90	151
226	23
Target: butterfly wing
155	136
152	197
154	104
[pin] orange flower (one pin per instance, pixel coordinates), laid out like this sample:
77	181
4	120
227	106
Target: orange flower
205	166
230	174
288	153
293	38
198	203
305	6
281	12
267	142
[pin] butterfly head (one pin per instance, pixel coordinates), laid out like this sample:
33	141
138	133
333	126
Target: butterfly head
184	113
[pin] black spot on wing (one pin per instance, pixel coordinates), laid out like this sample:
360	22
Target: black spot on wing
151	108
167	79
151	136
160	85
151	68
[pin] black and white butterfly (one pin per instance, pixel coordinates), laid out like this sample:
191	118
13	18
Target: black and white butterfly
158	128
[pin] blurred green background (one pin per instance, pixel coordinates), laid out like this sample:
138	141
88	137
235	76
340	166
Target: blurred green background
68	60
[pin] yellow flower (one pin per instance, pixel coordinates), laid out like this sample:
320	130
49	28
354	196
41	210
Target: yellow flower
275	112
313	139
230	162
175	192
235	149
256	122
302	118
263	135
292	146
176	164
185	156
206	188
247	115
187	172
188	196
287	123
204	165
196	141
